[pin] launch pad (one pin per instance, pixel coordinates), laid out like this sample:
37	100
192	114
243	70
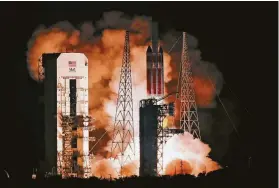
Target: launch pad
68	123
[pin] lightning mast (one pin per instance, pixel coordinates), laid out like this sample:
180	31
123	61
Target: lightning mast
123	131
188	108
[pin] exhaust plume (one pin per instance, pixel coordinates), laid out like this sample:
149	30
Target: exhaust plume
185	155
104	52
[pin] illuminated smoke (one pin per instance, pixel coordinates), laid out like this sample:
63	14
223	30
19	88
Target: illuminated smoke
104	53
214	124
178	166
192	159
103	168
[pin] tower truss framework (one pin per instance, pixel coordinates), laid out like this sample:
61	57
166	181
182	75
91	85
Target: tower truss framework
123	131
189	120
161	137
153	142
72	159
41	71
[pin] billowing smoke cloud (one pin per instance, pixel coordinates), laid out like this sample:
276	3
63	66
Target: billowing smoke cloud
192	159
102	43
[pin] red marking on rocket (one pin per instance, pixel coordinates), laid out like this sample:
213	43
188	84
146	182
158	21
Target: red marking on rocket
155	67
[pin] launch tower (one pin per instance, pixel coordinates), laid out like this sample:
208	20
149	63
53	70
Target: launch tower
153	111
153	136
67	120
188	109
123	145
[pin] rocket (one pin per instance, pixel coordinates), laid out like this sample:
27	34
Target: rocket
155	66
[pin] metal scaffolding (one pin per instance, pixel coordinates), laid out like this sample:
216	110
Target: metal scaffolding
72	161
161	115
152	142
75	162
189	120
123	134
164	134
67	152
41	71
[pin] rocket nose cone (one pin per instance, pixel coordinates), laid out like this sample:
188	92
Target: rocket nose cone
149	49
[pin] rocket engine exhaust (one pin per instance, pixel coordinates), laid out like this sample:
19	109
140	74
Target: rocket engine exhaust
104	55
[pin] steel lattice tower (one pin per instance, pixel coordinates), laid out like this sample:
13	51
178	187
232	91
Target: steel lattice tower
188	109
123	133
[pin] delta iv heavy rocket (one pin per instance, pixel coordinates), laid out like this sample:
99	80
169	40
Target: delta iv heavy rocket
155	67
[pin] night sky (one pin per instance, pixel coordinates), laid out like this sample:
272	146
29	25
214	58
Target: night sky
240	38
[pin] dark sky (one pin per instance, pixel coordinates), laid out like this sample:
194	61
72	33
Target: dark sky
241	38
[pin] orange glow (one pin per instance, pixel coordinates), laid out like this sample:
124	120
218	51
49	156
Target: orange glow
204	91
165	122
105	58
178	167
192	153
